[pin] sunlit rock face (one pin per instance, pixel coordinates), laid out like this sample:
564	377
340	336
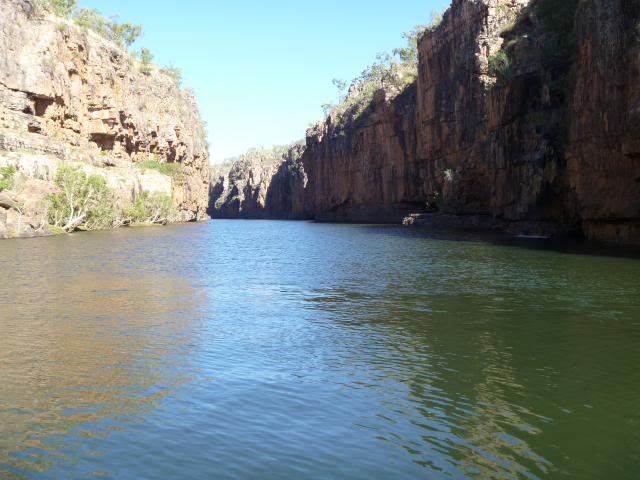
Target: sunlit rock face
366	169
69	95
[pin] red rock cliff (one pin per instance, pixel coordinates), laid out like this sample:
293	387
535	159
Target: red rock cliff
547	144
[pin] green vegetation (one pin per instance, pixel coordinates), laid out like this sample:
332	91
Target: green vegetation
393	71
146	60
122	34
174	72
149	208
64	8
7	175
85	202
500	66
82	202
266	156
505	9
170	169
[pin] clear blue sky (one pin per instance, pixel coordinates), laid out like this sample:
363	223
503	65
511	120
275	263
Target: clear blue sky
263	68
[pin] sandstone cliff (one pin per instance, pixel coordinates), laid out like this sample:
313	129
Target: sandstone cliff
67	96
546	144
525	117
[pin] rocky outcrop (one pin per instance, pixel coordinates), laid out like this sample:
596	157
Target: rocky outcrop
464	143
258	189
550	141
69	96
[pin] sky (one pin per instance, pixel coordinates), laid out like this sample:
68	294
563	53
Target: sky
262	69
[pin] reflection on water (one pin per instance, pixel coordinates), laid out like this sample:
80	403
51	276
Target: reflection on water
81	343
294	350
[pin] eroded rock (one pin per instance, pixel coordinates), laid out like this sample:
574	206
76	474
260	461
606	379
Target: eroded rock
68	95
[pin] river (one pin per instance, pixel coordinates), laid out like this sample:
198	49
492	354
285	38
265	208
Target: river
294	350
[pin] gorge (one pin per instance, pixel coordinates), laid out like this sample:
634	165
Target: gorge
440	280
523	118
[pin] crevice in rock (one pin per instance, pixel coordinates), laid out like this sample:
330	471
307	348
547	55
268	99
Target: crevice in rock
104	141
41	104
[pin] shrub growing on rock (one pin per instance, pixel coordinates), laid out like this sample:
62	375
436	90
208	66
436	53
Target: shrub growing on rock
500	66
169	169
83	202
149	208
174	73
146	60
7	175
64	8
123	34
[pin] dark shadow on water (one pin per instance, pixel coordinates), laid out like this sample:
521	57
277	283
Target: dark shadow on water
569	246
566	245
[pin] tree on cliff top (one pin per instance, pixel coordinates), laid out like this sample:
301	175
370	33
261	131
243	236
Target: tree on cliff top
394	71
123	34
63	8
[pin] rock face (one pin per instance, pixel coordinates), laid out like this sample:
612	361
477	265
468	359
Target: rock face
67	95
551	144
603	159
466	143
253	189
366	170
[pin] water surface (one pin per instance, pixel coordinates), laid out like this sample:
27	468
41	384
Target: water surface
289	350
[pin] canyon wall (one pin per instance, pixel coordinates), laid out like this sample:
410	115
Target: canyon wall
525	117
258	189
603	158
68	96
365	169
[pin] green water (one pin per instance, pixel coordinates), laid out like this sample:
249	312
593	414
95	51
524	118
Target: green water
286	350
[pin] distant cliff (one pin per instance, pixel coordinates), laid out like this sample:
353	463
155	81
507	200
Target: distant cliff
524	117
70	97
259	187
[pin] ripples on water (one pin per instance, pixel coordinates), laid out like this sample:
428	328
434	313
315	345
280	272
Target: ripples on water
296	350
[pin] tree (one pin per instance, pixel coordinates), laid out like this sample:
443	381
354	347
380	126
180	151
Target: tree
125	34
341	85
63	8
146	56
92	19
81	201
146	59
